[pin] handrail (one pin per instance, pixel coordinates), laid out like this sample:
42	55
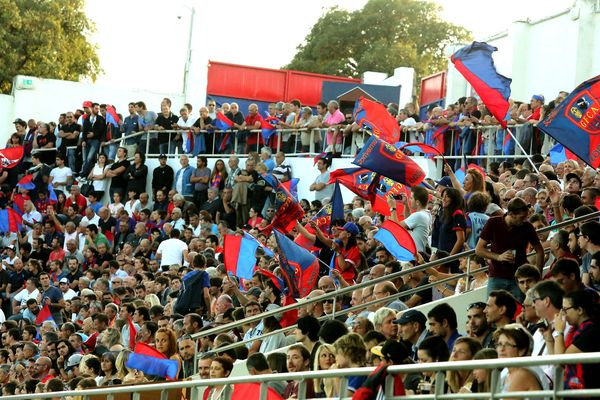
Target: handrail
362	285
344	374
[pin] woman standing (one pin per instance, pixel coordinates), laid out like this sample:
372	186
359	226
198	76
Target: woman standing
98	176
218	176
450	225
137	173
347	255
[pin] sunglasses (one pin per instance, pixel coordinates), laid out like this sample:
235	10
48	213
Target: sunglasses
478	304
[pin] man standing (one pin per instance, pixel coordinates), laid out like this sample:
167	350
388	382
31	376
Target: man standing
61	176
69	133
94	131
183	184
117	172
282	171
509	236
44	139
172	251
131	125
52	297
417	222
321	185
200	178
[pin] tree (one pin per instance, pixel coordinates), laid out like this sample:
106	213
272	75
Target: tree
383	35
45	38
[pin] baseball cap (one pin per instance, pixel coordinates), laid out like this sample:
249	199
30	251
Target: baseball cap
538	97
73	361
253	292
87	103
572	175
12	247
162	156
411	316
392	350
445	181
351	228
63	280
20	122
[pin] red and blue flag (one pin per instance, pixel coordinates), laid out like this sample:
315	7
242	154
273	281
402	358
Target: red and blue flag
417	147
383	158
434	137
396	240
152	362
10	220
266	250
26	182
268	127
189	143
371	186
300	267
559	153
52	194
476	64
376	118
575	122
44	315
239	255
287	208
11	157
111	116
292	187
223	123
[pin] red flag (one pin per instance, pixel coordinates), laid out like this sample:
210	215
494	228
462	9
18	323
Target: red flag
287	208
43	315
245	391
132	333
375	117
11	157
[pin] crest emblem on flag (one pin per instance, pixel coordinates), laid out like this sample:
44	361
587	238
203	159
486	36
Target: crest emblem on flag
584	111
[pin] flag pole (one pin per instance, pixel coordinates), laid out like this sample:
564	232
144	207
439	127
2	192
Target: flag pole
523	150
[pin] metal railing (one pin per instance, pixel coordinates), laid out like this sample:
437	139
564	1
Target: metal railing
306	378
372	282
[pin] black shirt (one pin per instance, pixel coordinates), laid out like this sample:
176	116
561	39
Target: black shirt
162	178
137	178
119	181
106	226
17	280
47	157
167	124
69	128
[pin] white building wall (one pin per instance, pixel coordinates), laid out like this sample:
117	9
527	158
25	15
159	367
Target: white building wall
544	56
48	98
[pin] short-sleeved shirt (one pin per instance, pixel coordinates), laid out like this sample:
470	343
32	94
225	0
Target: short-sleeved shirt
587	342
502	238
351	256
55	296
171	251
327	191
201	173
419	224
250	120
61	175
475	221
355	382
119	181
448	228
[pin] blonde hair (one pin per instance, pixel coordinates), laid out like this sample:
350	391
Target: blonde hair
121	362
316	367
152	299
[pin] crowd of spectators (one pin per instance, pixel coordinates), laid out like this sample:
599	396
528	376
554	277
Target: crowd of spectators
147	266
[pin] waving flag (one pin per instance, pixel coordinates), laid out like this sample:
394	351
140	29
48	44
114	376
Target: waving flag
132	332
152	362
361	182
239	255
375	117
292	187
331	211
268	127
299	265
476	64
462	172
558	153
575	122
44	315
266	250
11	157
111	116
10	220
397	240
26	182
417	147
189	142
383	158
287	209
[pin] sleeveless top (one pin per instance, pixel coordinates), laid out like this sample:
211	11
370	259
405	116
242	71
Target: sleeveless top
542	379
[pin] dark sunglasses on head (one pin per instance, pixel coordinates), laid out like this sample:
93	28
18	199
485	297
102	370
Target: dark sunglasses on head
478	304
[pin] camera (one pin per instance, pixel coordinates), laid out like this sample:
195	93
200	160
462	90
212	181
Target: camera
543	324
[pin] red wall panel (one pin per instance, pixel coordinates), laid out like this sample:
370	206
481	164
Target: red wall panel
433	88
264	84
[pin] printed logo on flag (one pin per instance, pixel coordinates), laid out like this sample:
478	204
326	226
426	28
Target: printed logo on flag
584	111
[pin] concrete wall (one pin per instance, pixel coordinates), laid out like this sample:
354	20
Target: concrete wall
48	98
545	56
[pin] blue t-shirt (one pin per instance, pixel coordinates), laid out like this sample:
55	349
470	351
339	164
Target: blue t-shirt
475	221
355	382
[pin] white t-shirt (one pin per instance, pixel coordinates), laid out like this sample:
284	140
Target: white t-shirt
69	294
94	220
133	208
32	218
187	124
171	251
419	224
114	209
327	191
99	186
22	297
69	236
61	175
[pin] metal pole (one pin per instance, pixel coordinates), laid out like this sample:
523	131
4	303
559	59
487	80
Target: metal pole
188	60
523	150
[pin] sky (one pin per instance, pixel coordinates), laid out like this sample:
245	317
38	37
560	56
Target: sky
144	43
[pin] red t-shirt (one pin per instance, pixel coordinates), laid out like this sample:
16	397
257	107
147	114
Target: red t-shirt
250	121
352	257
536	115
80	201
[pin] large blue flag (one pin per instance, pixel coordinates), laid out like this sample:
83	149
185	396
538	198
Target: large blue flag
239	255
575	122
383	158
298	264
476	64
396	240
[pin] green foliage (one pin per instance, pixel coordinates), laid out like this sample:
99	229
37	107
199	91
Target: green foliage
47	39
383	35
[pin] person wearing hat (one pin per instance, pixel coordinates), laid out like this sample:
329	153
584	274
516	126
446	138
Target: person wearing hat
347	255
412	329
509	236
20	126
573	183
